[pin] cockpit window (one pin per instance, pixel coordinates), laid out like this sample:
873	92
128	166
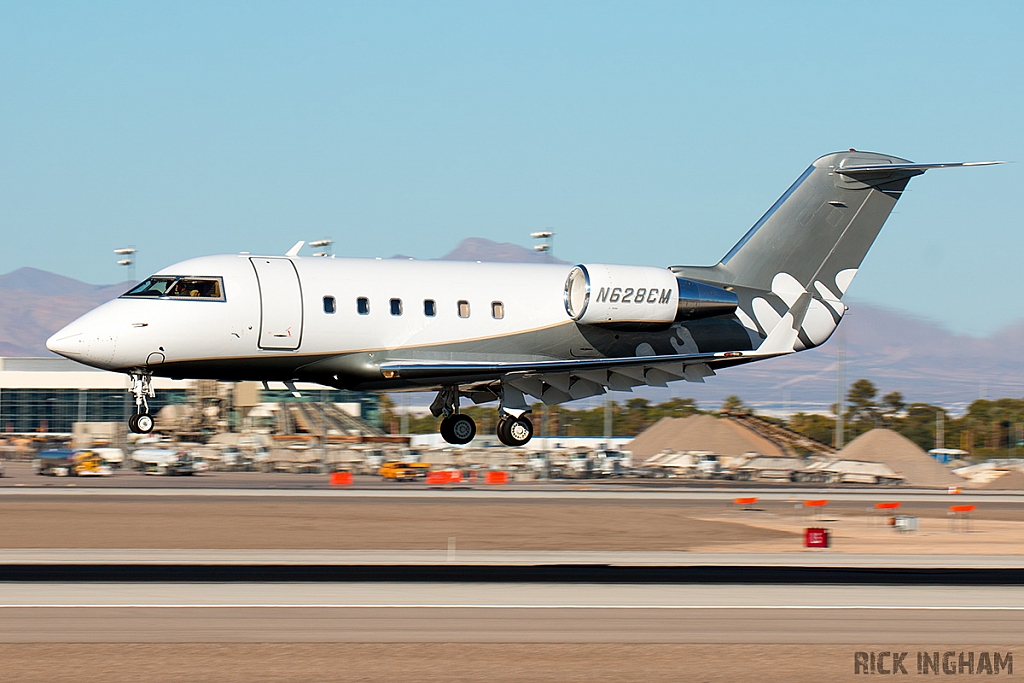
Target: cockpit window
195	287
205	288
154	286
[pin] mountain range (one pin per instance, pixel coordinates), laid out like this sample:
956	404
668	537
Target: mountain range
896	350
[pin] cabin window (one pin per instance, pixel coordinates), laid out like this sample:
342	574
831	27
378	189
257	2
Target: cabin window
497	310
330	305
429	308
463	309
396	307
363	305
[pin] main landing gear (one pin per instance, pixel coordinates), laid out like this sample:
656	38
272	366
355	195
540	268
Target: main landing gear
514	431
456	428
142	388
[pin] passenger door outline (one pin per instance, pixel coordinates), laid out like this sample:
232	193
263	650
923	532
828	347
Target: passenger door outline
281	310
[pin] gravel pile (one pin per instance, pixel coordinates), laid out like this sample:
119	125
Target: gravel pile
903	455
1011	481
720	436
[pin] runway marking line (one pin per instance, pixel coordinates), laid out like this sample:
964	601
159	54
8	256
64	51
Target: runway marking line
928	608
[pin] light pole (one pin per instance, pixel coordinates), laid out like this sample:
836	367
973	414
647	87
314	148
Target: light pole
127	260
324	245
547	246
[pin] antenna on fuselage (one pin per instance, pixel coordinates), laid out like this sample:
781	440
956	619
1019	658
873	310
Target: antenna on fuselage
294	251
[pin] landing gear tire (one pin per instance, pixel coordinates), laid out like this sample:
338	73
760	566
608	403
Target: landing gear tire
140	424
458	429
515	431
144	423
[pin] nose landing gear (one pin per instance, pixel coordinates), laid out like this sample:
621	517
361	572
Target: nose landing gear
142	388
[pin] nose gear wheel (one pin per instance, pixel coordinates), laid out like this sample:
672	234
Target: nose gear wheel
142	388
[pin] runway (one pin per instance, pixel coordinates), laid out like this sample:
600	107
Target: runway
224	558
538	493
507	613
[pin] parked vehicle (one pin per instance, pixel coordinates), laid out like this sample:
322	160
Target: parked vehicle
397	470
53	462
88	464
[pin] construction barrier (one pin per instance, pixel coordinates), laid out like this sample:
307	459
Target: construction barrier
887	511
960	517
745	503
815	537
341	478
496	477
442	477
815	508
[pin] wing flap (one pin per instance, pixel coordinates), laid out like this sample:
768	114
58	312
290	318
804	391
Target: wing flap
630	366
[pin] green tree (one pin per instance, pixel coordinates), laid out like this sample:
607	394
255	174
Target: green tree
636	416
892	406
734	405
813	426
676	407
862	413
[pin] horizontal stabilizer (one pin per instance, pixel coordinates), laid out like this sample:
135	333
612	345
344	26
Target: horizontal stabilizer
881	168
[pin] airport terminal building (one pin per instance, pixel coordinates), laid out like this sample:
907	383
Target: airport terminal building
48	395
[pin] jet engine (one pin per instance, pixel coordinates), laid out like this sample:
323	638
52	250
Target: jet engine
637	297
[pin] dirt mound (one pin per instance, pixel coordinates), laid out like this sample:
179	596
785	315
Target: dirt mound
903	455
720	436
1011	481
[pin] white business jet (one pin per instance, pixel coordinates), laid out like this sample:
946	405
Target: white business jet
502	332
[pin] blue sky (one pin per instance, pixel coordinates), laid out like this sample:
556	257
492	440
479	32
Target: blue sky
648	133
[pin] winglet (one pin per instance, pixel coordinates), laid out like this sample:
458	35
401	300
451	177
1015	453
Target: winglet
294	251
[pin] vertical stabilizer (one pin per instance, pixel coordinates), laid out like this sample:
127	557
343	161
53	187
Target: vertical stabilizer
817	234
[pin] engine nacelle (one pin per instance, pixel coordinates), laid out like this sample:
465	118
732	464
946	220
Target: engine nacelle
637	297
701	300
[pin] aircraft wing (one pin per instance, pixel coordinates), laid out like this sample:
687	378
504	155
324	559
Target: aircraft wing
556	381
414	369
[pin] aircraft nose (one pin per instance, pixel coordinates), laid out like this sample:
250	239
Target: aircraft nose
86	340
68	343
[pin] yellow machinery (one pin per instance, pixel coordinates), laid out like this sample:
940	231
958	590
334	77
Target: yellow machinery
89	464
396	470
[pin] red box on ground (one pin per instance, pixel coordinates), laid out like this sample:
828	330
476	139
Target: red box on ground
441	477
815	537
496	477
341	478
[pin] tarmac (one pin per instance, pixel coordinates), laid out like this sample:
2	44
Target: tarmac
507	613
678	583
173	557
